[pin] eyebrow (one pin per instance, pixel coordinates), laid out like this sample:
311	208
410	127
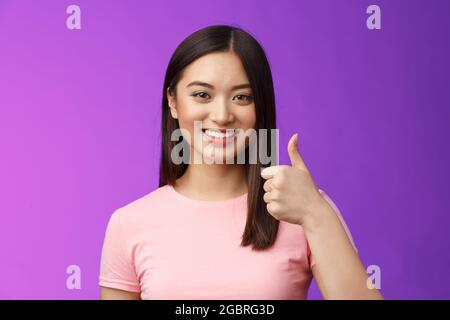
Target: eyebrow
207	85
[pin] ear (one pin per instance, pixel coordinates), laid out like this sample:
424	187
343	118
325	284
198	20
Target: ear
171	101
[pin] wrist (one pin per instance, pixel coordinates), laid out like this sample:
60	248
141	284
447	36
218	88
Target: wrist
318	216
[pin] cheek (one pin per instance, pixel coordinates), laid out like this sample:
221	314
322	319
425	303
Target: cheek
247	118
188	113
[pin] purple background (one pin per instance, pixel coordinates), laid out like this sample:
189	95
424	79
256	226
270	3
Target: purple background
80	122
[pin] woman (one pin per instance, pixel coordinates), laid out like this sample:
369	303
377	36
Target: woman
224	229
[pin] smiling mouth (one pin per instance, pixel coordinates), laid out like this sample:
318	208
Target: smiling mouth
220	133
220	138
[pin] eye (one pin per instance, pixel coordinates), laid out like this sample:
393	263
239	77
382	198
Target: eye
202	95
244	97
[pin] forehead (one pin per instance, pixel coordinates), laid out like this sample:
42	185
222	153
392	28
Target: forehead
221	69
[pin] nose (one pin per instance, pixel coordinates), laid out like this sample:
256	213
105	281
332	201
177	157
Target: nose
221	113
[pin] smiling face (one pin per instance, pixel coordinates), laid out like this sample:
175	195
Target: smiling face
214	90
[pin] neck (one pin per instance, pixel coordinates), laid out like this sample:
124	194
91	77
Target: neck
213	181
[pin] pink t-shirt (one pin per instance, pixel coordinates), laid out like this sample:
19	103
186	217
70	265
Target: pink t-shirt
168	246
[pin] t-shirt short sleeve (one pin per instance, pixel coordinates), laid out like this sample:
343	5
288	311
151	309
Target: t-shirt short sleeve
312	261
116	266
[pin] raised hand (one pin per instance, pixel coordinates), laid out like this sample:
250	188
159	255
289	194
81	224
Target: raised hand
290	191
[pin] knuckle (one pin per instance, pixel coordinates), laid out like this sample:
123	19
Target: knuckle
276	183
275	194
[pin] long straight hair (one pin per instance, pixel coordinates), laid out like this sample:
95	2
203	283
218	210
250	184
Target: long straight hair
261	227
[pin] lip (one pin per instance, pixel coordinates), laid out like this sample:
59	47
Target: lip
223	130
218	141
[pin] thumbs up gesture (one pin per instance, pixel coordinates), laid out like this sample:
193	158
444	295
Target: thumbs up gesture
290	191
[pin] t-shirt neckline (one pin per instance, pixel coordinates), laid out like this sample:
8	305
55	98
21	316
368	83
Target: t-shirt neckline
205	202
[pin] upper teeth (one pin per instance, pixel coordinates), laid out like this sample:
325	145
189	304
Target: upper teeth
218	134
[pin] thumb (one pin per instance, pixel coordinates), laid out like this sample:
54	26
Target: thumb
294	155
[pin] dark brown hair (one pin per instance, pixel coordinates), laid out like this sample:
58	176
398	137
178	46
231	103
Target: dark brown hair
261	228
